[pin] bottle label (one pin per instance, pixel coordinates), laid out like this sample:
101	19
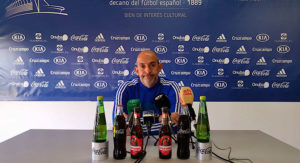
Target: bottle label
137	115
100	133
181	131
118	132
165	145
203	151
165	115
99	150
136	145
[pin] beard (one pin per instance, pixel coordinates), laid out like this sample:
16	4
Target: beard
149	80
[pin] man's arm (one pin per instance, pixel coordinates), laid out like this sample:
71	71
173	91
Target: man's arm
175	104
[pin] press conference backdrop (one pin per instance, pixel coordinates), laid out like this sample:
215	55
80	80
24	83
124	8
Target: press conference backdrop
75	50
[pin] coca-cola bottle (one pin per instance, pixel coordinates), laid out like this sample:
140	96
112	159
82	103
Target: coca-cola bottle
136	139
183	133
119	134
165	140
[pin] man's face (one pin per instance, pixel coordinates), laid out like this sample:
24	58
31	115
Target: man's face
148	68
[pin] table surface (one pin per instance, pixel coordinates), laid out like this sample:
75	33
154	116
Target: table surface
74	146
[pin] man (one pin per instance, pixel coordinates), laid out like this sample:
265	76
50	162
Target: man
148	86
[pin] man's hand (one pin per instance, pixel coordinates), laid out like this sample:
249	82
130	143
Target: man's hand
174	117
127	129
125	115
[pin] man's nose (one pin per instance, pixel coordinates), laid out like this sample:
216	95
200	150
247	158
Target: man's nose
148	69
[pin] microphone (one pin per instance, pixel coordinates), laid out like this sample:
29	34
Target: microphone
131	104
148	116
186	96
162	100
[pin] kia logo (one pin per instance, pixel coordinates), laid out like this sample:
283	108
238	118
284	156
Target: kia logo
60	60
140	38
181	60
80	72
39	49
283	49
160	49
100	84
200	72
18	37
220	84
262	37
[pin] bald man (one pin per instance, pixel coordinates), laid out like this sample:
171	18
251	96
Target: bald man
147	86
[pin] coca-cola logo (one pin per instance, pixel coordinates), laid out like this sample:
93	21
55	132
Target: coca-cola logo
241	61
103	49
22	72
281	85
181	131
120	131
203	150
79	38
101	151
261	73
224	49
42	84
120	61
200	38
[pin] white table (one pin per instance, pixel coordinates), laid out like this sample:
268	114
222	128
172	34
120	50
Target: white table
74	146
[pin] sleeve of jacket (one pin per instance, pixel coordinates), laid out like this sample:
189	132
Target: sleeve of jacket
174	97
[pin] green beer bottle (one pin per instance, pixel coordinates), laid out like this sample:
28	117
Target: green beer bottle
203	128
100	130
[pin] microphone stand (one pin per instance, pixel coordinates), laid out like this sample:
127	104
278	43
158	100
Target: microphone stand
193	135
192	117
149	125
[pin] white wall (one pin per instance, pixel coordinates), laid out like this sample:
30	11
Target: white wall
280	120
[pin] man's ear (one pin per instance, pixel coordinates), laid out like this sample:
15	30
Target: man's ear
160	66
136	70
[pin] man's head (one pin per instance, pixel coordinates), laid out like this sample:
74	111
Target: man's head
148	67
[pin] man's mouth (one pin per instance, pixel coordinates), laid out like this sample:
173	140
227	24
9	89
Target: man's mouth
148	76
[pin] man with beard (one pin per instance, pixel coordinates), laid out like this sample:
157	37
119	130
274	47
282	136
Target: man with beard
147	86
